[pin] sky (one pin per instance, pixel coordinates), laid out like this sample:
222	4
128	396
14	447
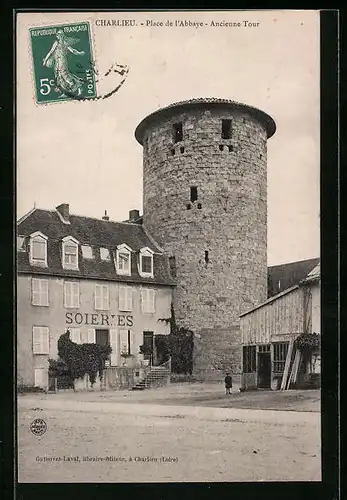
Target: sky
85	153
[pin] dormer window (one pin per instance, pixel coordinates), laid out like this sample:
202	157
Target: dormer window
123	260
20	243
87	252
105	254
70	253
38	249
146	262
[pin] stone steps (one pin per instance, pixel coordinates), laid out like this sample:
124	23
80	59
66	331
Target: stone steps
156	376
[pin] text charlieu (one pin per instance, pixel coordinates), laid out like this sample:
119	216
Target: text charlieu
96	319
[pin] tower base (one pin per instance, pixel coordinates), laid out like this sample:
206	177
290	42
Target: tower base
216	352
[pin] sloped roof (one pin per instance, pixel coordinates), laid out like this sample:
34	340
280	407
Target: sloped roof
204	102
313	275
287	275
95	233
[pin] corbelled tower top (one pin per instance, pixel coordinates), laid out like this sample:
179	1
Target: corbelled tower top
204	103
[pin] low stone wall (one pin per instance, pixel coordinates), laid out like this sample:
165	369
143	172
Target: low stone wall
114	378
123	377
83	384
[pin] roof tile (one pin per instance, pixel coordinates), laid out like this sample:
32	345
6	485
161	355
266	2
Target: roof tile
96	233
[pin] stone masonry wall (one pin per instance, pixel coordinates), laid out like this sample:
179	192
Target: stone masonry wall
230	223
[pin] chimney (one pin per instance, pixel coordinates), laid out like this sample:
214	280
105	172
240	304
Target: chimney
133	215
105	217
63	209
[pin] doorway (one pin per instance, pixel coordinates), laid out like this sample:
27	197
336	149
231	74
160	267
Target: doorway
102	337
264	370
148	346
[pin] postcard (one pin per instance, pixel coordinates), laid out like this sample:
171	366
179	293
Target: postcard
168	246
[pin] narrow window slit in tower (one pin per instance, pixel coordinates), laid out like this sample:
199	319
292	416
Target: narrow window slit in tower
231	148
221	147
206	257
173	152
199	206
193	193
260	156
178	132
172	262
182	149
226	129
188	206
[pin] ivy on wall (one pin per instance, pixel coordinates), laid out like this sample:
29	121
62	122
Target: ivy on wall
307	341
78	360
179	344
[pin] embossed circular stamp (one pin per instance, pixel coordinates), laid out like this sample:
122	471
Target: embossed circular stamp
38	426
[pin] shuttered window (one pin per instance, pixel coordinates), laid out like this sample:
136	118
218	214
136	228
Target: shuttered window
125	298
114	340
70	253
40	340
38	249
71	294
146	262
39	374
148	300
102	297
123	260
75	335
125	341
91	336
39	292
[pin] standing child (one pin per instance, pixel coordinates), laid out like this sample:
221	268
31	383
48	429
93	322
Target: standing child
228	383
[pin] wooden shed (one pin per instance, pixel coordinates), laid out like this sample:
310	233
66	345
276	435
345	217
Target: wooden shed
280	338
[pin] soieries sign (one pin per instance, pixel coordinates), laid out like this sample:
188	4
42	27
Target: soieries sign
98	319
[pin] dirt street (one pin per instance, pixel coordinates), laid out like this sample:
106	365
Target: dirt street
105	437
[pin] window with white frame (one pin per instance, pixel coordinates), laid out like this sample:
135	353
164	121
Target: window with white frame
20	243
87	252
71	294
75	335
70	253
39	377
39	292
148	300
40	340
38	249
146	262
102	297
125	298
125	342
105	254
123	260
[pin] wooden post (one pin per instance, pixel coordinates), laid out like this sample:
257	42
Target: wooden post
295	376
287	364
271	364
294	368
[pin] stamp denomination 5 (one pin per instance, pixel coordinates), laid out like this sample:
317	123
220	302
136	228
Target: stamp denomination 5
63	62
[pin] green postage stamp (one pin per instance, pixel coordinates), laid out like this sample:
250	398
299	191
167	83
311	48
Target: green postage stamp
63	63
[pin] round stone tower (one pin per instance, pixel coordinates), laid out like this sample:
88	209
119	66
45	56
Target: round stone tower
205	202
